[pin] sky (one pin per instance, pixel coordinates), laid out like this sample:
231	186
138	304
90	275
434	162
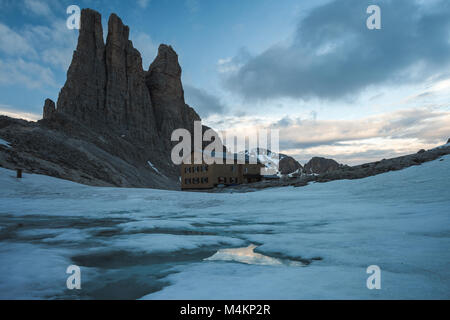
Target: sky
310	69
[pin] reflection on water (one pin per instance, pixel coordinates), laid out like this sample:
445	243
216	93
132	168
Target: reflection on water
249	256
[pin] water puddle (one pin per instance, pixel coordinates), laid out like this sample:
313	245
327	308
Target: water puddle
249	256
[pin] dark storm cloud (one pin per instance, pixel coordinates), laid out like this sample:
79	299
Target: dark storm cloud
334	55
203	102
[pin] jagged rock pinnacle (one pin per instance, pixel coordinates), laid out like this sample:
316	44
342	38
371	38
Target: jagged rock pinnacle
49	109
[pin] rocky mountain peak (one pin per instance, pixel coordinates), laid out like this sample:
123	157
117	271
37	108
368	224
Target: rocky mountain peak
91	31
107	88
163	81
83	95
116	29
163	78
320	165
111	101
289	165
166	62
49	109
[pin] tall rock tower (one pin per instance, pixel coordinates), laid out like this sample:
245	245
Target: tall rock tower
111	101
163	80
105	87
83	95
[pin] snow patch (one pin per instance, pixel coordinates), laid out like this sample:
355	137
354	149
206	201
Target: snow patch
5	143
154	168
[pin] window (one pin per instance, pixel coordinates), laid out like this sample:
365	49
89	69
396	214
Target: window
204	180
186	170
187	181
196	180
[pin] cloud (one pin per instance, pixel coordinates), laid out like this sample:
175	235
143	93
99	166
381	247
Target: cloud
367	139
361	152
14	113
51	44
12	43
423	124
233	64
350	141
148	49
143	3
192	5
333	55
25	73
38	7
203	102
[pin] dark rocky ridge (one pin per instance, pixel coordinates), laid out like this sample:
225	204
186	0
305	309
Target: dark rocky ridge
348	172
111	118
320	165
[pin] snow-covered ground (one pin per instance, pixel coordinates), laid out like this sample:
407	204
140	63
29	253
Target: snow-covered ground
314	242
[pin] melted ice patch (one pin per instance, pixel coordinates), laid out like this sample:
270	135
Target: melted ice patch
247	255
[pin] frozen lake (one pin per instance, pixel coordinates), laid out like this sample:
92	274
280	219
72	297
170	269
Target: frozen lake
314	242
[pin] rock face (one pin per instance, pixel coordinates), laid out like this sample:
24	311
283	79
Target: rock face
105	84
107	88
319	165
113	120
83	95
163	80
128	105
288	165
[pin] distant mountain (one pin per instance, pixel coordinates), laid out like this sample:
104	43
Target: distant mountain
283	164
276	163
348	172
113	120
318	165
